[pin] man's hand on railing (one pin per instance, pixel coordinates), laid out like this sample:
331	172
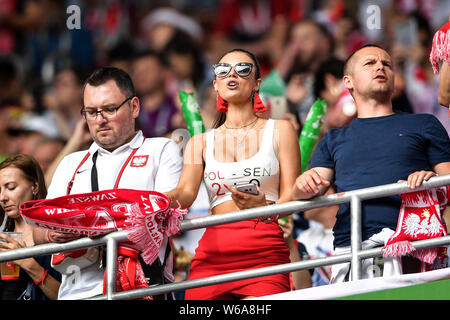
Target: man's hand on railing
310	184
416	179
41	236
60	237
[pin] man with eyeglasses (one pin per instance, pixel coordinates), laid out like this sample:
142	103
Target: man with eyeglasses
119	157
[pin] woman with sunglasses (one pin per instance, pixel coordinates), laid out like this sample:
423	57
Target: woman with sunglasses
243	148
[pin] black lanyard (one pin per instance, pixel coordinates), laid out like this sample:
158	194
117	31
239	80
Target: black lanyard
94	178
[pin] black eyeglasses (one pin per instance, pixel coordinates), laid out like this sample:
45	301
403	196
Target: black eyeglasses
243	69
108	113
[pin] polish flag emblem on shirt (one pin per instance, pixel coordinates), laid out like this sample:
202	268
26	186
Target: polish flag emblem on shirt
139	161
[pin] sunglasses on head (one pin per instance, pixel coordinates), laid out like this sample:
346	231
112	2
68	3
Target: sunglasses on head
242	69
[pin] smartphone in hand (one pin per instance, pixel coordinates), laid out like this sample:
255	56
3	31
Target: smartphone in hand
247	188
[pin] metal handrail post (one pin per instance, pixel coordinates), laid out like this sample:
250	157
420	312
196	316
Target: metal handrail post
111	267
355	225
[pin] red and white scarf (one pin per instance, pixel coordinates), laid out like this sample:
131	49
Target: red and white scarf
145	214
420	218
440	49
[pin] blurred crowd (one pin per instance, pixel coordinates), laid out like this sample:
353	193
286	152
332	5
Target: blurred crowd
48	47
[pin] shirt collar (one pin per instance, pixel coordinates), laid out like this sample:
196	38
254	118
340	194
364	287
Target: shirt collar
135	143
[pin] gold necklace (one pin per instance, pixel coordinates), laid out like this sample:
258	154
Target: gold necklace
245	125
241	142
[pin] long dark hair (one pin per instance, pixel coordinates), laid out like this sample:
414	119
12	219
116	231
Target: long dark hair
222	116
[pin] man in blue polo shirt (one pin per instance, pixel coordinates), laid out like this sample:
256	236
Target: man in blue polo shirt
378	147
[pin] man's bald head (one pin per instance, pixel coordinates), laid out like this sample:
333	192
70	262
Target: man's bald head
369	74
348	65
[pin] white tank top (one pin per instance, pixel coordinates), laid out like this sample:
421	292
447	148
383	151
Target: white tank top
262	169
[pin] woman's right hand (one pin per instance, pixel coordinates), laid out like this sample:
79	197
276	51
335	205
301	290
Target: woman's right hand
8	243
11	244
246	200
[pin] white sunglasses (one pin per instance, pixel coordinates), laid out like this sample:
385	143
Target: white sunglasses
243	69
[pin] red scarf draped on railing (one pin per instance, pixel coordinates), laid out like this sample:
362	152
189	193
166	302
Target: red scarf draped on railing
145	214
420	218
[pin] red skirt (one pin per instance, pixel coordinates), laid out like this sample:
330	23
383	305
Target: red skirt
237	247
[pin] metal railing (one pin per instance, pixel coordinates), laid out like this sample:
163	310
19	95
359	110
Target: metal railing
355	256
